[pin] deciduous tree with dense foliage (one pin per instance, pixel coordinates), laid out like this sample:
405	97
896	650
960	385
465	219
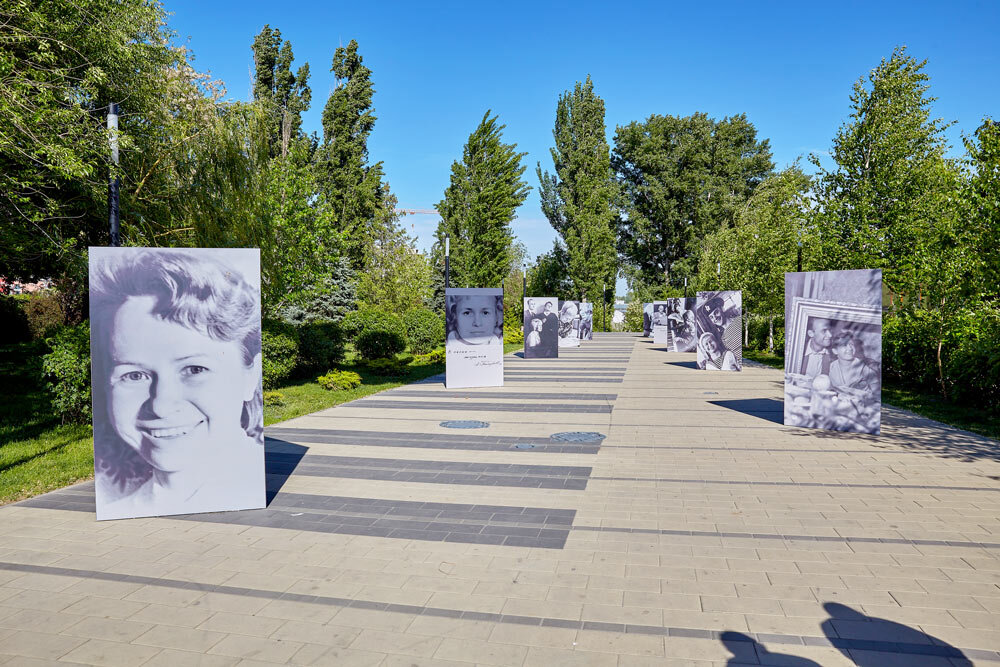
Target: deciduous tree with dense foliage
682	179
579	197
479	205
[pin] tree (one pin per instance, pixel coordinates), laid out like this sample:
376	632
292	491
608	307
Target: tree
550	274
982	199
579	198
285	95
61	63
396	276
890	184
682	179
358	197
761	245
478	206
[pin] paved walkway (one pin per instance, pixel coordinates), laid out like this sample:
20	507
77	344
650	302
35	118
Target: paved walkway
699	531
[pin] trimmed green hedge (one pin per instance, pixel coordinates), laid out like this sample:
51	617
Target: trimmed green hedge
280	351
424	330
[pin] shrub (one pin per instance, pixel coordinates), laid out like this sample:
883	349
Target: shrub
382	335
339	380
15	327
321	345
66	370
633	317
280	351
390	367
424	330
357	321
513	334
275	398
972	369
43	312
435	357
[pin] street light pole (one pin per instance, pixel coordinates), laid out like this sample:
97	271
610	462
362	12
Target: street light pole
114	215
447	266
604	304
800	256
685	288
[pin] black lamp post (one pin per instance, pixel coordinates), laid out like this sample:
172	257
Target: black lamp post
447	266
114	215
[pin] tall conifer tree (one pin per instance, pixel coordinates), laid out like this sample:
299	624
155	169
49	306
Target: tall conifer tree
479	205
578	199
285	95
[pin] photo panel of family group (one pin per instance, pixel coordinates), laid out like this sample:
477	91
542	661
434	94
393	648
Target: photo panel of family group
176	377
474	337
833	350
719	322
541	328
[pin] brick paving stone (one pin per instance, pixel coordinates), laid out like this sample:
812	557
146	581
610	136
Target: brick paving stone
395	541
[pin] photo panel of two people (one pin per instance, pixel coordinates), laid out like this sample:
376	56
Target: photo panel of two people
719	322
833	350
176	376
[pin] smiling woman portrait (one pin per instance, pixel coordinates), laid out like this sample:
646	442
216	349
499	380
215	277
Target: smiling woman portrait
176	375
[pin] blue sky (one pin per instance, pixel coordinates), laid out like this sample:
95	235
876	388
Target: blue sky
437	67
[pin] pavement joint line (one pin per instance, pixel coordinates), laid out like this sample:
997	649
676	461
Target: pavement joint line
835	485
382	404
788	537
899	648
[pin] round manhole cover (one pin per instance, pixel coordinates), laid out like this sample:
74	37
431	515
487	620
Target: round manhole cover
524	445
578	436
465	423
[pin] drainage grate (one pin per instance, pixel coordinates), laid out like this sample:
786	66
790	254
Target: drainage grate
465	423
578	436
524	445
710	393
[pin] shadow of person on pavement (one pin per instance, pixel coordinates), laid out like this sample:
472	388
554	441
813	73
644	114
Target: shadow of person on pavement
875	642
747	651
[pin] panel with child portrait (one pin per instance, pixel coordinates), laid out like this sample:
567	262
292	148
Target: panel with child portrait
833	356
474	337
176	377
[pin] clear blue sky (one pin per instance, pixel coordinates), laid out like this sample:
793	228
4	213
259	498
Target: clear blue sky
437	67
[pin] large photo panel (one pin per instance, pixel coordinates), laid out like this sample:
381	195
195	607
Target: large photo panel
474	341
660	330
647	320
541	327
683	332
719	324
833	350
569	323
176	374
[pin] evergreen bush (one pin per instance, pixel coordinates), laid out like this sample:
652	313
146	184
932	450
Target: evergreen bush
390	366
280	351
435	357
424	330
382	335
339	380
66	371
321	345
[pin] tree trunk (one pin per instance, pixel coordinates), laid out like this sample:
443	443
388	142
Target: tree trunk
944	388
746	330
770	334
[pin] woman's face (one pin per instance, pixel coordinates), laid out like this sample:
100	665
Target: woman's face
712	346
716	316
175	394
536	325
846	350
476	317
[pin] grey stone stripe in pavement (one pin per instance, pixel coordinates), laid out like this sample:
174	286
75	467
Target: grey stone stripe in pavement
502	394
792	538
498	525
562	371
786	450
427	440
431	472
575	378
844	643
385	404
835	485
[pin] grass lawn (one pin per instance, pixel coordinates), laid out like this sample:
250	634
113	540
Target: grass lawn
927	405
38	454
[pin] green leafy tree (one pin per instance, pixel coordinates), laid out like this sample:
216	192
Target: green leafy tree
579	198
982	198
285	95
396	276
361	202
478	206
550	274
682	179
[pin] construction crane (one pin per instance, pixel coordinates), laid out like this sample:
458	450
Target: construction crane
417	211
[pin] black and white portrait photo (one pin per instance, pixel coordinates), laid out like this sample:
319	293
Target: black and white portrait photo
176	377
586	320
683	332
647	320
660	328
541	328
569	324
719	322
474	337
833	350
